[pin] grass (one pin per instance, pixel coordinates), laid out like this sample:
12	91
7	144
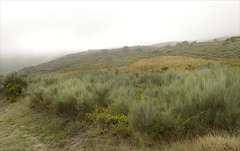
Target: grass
25	129
14	134
172	62
217	142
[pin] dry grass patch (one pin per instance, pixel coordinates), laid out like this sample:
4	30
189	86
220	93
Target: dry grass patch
172	62
13	133
230	61
207	143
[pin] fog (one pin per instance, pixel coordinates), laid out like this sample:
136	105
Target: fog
36	31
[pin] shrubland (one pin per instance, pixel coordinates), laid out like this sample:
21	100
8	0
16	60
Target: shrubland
142	94
164	105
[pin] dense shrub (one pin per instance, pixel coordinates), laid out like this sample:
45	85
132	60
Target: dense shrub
165	68
1	84
13	85
172	103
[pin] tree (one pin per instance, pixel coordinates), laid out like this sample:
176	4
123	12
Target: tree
104	51
125	49
168	46
179	44
109	59
139	49
193	43
185	43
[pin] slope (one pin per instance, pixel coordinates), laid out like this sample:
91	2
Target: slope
227	51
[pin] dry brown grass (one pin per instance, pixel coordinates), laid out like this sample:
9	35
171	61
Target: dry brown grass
186	62
13	134
172	62
207	143
230	61
210	142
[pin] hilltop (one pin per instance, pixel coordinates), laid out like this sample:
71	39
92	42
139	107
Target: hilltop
227	51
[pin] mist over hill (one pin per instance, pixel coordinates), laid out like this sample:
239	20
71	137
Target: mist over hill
14	63
93	60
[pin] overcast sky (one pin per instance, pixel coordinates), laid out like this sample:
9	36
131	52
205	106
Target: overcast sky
52	28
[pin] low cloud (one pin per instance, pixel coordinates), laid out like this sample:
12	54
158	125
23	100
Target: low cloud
39	30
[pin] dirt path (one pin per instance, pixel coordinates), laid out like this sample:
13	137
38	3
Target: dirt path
22	128
14	134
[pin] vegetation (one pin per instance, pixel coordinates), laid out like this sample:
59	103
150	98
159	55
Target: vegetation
226	52
145	95
26	129
13	85
165	105
1	84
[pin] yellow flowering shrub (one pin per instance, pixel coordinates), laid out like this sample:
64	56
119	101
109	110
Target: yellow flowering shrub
108	117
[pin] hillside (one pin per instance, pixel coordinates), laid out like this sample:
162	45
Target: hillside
182	97
227	51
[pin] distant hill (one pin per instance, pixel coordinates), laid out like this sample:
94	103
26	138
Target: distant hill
8	64
164	44
218	39
94	60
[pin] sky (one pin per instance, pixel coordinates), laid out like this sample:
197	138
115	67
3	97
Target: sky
35	31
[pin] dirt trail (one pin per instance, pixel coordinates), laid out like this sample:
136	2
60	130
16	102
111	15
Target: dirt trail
22	128
14	134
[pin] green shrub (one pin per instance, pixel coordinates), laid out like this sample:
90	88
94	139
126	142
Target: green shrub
1	88
164	68
13	86
206	97
1	84
142	115
122	98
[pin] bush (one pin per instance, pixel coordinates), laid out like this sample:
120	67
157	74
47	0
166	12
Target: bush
164	68
142	115
13	86
1	84
207	97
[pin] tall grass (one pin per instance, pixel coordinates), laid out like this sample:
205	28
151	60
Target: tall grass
172	103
